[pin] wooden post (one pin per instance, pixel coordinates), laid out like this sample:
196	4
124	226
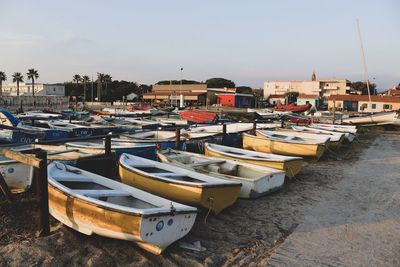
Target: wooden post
254	126
282	124
334	111
107	145
6	190
43	194
177	138
223	133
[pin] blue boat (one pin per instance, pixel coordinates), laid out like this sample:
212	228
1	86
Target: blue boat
19	136
163	139
141	150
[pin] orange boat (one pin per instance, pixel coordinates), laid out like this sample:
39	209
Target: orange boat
292	107
198	116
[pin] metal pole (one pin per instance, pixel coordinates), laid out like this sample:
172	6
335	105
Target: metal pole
92	90
43	193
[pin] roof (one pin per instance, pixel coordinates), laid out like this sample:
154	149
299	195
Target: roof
276	96
308	96
374	98
160	93
235	94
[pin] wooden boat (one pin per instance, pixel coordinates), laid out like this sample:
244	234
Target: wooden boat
285	144
335	140
19	136
177	184
17	176
142	150
199	116
164	139
49	134
291	165
75	129
292	107
256	180
346	136
335	127
92	204
380	118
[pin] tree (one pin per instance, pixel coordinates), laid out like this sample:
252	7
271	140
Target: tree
167	82
77	78
100	81
3	78
85	79
32	74
107	80
244	90
362	87
17	78
220	83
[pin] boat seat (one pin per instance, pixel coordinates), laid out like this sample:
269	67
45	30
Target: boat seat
143	166
167	174
101	192
72	179
208	162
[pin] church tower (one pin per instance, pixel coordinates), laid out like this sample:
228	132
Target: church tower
313	76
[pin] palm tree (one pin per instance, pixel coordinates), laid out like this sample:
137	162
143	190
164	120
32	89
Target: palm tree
3	78
77	78
107	80
85	79
32	74
17	78
100	81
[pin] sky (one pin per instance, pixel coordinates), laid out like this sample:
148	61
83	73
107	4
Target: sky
248	42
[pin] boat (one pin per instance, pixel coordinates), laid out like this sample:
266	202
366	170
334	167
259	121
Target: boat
346	136
75	129
49	134
17	176
335	140
142	150
178	184
19	136
372	119
198	116
292	107
291	165
256	180
335	127
164	139
285	144
92	204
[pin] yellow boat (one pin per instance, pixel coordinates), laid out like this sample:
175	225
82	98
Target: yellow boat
92	204
284	144
178	184
335	141
291	165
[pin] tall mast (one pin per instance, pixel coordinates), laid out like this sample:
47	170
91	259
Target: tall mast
364	61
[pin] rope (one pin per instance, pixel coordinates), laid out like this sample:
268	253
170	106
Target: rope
210	199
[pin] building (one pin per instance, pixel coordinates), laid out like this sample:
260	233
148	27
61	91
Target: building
41	89
360	103
391	92
323	88
314	100
193	94
275	99
236	100
131	96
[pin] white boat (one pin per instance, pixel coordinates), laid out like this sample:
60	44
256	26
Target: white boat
348	136
231	128
256	180
17	176
335	127
381	118
92	204
300	136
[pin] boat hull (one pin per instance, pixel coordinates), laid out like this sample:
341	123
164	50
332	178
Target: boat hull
215	198
89	219
17	176
291	167
263	144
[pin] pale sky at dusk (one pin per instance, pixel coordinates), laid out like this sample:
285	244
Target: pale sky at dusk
248	42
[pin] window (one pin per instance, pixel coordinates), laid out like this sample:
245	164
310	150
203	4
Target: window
373	106
365	105
387	106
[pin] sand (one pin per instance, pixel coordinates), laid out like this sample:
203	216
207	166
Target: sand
337	212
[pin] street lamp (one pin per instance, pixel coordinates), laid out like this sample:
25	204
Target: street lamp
180	91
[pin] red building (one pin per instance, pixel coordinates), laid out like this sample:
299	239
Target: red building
235	100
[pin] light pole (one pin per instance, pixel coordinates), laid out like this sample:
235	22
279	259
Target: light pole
180	91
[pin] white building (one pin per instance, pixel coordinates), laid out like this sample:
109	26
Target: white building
323	88
41	89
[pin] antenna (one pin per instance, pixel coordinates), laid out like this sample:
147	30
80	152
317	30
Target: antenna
363	59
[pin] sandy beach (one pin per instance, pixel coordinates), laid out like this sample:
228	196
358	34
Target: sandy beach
341	211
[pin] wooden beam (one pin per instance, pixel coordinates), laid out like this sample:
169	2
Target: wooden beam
43	193
23	158
6	190
177	138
